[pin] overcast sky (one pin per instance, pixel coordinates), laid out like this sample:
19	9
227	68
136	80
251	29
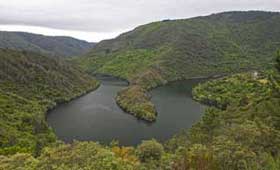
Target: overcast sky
94	20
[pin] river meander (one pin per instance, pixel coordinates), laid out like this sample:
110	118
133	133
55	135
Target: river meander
96	117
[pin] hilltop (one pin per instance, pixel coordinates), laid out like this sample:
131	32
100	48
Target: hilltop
50	45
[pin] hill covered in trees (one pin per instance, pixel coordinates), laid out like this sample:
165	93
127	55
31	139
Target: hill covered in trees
51	45
160	52
30	85
201	46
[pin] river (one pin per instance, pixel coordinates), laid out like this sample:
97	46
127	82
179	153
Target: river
96	117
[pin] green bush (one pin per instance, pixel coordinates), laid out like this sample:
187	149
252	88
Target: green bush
198	157
150	150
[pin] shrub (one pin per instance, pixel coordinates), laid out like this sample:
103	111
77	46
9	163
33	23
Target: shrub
150	150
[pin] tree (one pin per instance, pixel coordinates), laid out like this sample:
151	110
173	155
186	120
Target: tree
275	78
150	150
197	157
278	60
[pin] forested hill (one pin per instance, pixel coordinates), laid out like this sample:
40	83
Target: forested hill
30	84
176	49
160	52
51	45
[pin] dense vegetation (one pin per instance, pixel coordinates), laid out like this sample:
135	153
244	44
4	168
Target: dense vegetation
144	109
245	134
51	45
76	156
160	52
229	90
241	136
201	46
30	84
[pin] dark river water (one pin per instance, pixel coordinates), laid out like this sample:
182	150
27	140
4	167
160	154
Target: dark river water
96	116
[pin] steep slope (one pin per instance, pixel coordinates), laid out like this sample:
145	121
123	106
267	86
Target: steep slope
160	52
201	46
30	84
52	45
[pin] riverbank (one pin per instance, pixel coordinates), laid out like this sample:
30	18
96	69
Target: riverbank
56	104
136	99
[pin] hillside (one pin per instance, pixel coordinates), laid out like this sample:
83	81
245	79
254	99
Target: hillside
51	45
245	135
160	52
31	84
201	46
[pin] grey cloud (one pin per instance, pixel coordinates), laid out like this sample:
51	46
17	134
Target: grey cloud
115	15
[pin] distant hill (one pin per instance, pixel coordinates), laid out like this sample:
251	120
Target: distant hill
51	45
164	51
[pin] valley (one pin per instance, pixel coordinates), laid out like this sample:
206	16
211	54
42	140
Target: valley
192	94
